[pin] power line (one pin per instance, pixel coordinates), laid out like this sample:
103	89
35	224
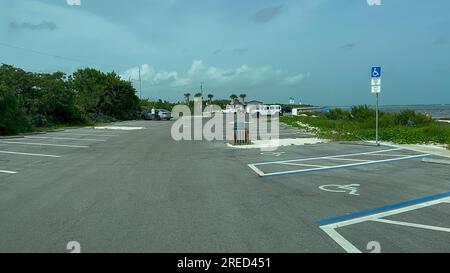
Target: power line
60	57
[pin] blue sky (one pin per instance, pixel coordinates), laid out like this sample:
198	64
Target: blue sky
319	51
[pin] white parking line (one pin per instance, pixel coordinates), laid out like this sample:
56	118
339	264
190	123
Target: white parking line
340	240
305	165
330	229
7	172
393	155
360	162
256	170
67	138
326	157
407	224
44	144
123	128
78	134
350	159
17	153
98	132
344	166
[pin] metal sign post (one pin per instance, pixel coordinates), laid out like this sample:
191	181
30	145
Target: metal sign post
376	89
376	133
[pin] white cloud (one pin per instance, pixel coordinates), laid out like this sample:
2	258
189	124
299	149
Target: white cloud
293	80
150	76
196	67
243	75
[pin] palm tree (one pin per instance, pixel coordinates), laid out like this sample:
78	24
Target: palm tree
233	98
210	97
243	96
187	95
198	95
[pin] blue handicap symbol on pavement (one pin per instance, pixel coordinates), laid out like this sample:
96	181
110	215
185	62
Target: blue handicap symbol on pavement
376	72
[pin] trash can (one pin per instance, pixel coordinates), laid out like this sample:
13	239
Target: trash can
241	134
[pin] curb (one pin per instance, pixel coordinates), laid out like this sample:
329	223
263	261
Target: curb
436	161
11	137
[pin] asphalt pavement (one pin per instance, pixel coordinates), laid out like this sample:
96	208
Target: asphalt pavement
138	190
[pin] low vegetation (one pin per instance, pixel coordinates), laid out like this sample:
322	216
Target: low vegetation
406	127
147	104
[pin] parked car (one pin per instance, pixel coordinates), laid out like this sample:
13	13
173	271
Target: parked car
230	109
164	114
160	114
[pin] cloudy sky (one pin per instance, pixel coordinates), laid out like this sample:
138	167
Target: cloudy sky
317	51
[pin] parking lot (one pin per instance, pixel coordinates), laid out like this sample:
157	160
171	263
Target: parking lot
129	187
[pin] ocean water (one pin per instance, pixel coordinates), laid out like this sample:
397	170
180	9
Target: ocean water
435	110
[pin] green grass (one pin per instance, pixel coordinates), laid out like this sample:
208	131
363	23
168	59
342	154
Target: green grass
351	128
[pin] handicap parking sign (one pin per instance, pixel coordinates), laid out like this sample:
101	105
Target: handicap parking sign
376	72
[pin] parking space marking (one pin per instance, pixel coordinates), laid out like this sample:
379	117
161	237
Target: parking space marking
324	158
122	128
340	240
407	224
256	170
66	138
393	155
44	144
28	154
306	165
330	225
352	159
78	134
7	172
92	132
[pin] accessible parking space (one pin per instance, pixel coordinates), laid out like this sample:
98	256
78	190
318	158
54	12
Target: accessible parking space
342	179
323	163
420	225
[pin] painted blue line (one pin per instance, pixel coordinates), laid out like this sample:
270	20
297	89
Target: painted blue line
382	209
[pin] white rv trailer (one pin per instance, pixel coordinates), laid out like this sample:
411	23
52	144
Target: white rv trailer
264	110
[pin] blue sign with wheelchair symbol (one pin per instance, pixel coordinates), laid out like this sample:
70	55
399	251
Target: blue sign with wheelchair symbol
376	72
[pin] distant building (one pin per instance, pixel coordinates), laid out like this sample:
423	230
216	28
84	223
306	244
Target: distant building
253	105
254	102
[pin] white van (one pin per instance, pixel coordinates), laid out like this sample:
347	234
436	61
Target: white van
270	110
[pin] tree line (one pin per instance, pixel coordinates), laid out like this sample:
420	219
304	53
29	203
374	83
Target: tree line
31	100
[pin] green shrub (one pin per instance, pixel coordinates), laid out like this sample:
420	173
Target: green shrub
387	120
337	114
12	119
32	101
411	118
421	129
362	113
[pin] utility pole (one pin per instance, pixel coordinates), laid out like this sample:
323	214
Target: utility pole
140	83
